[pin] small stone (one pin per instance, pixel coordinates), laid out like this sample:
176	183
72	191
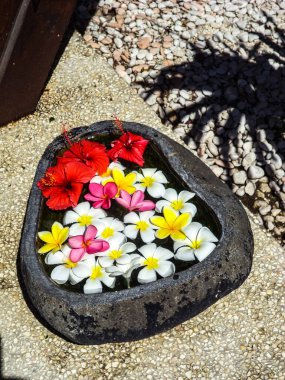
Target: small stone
264	210
250	188
248	160
217	170
255	172
118	42
243	37
240	177
144	42
120	70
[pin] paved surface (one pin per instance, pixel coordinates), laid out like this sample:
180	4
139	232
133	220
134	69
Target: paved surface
240	337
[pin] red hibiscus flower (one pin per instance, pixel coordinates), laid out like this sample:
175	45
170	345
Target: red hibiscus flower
130	147
62	184
89	153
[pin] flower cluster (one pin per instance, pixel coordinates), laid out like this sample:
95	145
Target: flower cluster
130	227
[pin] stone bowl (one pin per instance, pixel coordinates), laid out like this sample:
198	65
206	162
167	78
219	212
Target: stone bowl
141	311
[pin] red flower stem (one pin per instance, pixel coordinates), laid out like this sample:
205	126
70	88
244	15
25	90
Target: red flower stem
65	135
118	123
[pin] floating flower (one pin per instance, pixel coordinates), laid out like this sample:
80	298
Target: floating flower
82	216
135	201
123	182
97	275
152	181
129	147
89	153
86	243
177	202
118	253
171	224
125	270
101	195
54	239
110	228
155	260
62	184
199	243
66	271
108	173
139	223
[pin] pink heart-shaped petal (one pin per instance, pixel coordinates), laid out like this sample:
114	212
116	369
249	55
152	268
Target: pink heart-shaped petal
97	246
110	189
76	241
76	254
96	189
137	197
90	233
146	206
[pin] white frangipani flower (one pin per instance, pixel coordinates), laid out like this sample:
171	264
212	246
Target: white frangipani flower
117	253
152	181
177	202
82	216
155	260
125	270
107	174
199	243
97	275
68	270
139	223
109	228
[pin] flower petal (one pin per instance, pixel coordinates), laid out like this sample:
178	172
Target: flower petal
97	246
149	172
132	218
185	254
160	204
137	198
159	177
70	217
162	233
92	286
76	241
191	231
82	270
76	254
56	229
166	268
147	235
146	275
163	254
108	281
159	221
96	189
204	250
131	232
91	232
128	247
47	237
105	261
206	235
156	190
170	195
82	208
147	250
190	209
185	195
75	229
60	274
110	189
54	258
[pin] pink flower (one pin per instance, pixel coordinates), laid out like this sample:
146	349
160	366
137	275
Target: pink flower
101	195
86	243
135	201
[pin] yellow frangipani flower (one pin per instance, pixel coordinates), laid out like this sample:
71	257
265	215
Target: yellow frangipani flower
123	182
53	239
170	224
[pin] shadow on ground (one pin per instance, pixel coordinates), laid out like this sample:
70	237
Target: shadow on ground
246	85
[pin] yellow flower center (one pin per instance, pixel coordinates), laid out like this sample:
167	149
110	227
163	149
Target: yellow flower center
151	263
69	264
96	272
115	254
107	173
195	244
177	205
108	232
85	220
142	225
147	181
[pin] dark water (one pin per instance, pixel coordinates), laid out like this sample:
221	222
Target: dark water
153	159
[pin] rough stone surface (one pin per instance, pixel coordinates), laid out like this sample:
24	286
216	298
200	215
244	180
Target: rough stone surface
151	308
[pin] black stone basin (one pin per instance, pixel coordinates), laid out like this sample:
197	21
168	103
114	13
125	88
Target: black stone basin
144	310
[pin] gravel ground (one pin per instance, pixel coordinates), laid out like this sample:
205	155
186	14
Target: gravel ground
214	71
240	337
